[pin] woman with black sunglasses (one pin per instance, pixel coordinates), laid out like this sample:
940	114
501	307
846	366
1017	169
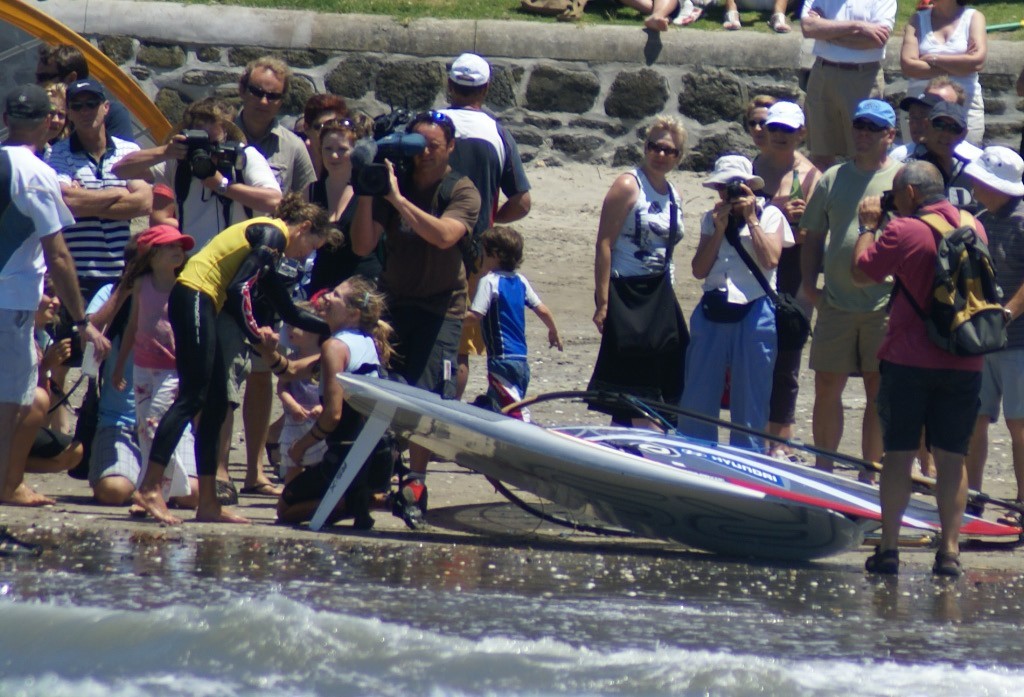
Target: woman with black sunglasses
641	220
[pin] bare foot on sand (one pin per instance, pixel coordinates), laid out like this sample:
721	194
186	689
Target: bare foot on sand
153	503
656	23
23	496
219	515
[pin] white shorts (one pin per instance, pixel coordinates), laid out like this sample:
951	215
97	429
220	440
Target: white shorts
291	432
21	365
155	390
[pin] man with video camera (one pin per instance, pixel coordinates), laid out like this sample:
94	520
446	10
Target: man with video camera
422	217
210	179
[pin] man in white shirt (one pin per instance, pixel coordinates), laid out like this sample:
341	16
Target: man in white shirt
849	47
32	215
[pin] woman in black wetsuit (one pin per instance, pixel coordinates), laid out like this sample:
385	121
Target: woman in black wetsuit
333	191
224	276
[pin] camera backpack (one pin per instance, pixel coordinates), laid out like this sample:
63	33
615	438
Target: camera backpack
965	316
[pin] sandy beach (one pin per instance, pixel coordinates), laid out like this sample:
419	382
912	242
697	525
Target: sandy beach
559	235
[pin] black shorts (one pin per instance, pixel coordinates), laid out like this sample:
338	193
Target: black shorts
48	444
944	403
426	346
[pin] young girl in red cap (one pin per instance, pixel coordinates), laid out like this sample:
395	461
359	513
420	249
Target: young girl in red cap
148	340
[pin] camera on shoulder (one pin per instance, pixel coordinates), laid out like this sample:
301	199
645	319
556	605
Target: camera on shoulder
207	158
391	141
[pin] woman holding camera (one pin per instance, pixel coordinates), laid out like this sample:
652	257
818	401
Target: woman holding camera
641	221
733	327
334	193
236	265
205	202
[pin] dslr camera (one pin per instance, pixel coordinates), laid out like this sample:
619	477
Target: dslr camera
207	158
391	142
734	189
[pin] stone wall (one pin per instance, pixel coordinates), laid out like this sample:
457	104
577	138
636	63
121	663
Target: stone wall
567	93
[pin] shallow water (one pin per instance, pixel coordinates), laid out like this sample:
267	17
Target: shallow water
228	616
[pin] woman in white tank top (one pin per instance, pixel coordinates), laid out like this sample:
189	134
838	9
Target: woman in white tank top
948	39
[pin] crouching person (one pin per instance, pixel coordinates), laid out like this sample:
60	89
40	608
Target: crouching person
359	344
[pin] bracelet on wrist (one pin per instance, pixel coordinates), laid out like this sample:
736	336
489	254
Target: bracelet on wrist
864	230
283	369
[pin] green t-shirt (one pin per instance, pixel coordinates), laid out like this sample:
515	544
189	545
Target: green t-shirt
833	209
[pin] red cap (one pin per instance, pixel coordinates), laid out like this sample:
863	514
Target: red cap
315	298
163	190
163	234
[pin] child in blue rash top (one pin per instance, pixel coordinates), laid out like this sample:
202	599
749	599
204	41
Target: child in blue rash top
499	305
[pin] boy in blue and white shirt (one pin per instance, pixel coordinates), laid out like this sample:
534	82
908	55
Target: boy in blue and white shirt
500	303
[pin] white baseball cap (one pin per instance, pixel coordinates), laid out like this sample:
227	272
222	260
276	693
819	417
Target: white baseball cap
787	113
470	70
999	168
730	167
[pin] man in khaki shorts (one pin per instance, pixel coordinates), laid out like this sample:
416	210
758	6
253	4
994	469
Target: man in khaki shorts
851	319
849	47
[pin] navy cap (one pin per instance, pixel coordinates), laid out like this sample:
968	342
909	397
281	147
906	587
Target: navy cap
29	102
949	110
85	87
928	100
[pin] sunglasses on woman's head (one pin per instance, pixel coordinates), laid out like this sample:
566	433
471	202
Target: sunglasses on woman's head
865	125
334	123
947	126
662	149
781	128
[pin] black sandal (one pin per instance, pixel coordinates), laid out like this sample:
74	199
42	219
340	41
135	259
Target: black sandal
947	564
883	562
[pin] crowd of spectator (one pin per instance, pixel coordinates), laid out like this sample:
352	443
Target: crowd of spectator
251	224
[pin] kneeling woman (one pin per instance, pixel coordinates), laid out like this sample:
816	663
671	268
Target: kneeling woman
733	327
360	345
225	275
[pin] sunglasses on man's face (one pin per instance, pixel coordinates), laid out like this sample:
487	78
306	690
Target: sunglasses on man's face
88	105
263	94
756	123
947	126
662	149
781	128
863	125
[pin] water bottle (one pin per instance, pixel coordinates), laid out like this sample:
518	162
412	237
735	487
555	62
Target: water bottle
90	366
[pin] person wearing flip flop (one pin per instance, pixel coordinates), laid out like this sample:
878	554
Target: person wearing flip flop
922	385
777	21
661	12
997	186
849	47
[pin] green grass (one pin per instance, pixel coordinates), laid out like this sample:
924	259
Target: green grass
597	12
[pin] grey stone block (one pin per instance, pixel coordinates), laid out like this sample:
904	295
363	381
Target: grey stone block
711	94
299	90
504	85
209	78
208	54
171	104
557	89
715	142
579	147
161	56
527	136
627	156
542	122
995	105
353	77
117	48
295	58
635	94
410	83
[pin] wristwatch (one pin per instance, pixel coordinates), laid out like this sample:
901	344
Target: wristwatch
863	230
1007	314
222	186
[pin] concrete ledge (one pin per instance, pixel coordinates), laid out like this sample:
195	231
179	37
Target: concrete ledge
164	21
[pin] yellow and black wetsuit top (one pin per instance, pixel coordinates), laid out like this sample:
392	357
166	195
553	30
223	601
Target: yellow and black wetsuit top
231	266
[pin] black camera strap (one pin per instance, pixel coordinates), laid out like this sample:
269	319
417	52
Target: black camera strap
183	183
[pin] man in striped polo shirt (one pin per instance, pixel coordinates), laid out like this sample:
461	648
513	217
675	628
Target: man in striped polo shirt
103	204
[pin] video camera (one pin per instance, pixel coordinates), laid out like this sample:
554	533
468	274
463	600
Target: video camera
207	158
390	141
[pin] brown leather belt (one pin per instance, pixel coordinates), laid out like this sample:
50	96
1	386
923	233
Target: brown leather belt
873	65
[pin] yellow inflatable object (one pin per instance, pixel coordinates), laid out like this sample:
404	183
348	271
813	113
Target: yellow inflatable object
115	80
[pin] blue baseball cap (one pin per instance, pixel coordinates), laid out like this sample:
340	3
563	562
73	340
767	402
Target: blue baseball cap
877	112
85	87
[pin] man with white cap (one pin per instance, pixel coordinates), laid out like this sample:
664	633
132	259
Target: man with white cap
997	186
851	319
918	110
487	153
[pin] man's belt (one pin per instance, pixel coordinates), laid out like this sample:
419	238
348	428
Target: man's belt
872	65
